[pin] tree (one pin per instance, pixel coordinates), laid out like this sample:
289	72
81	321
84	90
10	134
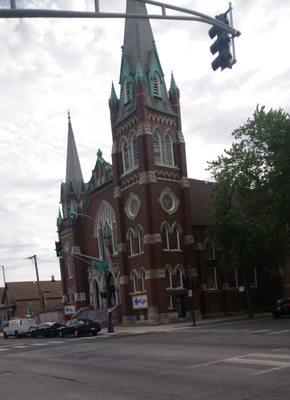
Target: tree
250	212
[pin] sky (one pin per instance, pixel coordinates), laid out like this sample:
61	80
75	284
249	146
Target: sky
48	66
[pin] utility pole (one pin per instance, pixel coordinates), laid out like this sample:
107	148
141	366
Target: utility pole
4	280
34	259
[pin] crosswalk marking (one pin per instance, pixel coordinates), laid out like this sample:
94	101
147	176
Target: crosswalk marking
20	347
278	332
3	349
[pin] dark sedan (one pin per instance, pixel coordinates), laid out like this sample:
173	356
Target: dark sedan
78	327
281	307
45	329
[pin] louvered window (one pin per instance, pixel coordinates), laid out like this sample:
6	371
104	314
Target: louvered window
125	155
157	147
156	85
134	150
168	150
127	91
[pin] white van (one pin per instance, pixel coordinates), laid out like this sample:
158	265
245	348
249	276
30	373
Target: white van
18	327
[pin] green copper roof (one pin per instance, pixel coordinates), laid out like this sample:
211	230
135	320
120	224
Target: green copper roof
113	98
173	87
139	77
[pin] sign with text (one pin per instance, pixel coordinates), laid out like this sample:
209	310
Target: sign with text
140	302
68	310
100	265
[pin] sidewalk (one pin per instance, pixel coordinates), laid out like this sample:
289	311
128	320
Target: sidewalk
173	327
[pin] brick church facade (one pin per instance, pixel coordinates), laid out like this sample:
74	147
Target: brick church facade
141	213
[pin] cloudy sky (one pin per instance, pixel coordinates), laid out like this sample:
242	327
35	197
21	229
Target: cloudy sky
50	66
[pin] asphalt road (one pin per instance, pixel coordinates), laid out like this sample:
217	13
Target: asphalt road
240	360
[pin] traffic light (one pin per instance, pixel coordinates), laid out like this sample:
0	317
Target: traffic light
222	45
58	249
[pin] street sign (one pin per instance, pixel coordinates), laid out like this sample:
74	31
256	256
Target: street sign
100	265
189	293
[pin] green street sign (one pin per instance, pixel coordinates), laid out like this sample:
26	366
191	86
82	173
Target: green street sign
100	265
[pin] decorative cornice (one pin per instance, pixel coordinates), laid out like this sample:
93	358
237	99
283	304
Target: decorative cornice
147	177
152	238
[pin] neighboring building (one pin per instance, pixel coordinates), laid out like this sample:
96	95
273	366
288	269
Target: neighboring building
142	213
3	308
22	298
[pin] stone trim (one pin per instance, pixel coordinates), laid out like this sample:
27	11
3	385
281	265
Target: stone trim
147	177
75	250
158	273
123	280
117	192
188	239
121	247
143	129
152	238
114	147
184	181
180	136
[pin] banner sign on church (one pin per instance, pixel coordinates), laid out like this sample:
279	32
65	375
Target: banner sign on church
140	302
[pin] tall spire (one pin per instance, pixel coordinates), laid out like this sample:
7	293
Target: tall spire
73	167
138	37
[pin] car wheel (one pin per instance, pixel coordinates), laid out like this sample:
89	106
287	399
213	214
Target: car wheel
277	316
17	334
5	335
76	333
61	334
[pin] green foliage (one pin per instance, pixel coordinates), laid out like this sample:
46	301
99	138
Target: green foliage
251	201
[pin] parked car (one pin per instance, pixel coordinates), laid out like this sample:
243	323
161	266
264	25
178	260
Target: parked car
18	327
78	327
45	329
281	307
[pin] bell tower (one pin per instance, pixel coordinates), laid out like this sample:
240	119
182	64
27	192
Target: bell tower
151	189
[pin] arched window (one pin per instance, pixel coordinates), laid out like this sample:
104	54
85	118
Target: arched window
168	150
125	155
157	147
134	151
130	238
179	280
127	91
165	236
142	279
134	281
140	239
69	269
156	85
106	231
209	251
168	278
175	238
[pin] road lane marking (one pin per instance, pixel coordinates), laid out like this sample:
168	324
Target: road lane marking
278	332
20	347
259	331
38	344
4	349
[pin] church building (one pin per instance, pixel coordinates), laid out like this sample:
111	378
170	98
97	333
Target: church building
133	238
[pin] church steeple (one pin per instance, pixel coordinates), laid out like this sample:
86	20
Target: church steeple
73	168
138	37
140	65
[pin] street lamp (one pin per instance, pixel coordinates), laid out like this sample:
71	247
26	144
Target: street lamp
110	323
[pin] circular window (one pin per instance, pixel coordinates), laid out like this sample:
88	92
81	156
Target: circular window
132	206
167	202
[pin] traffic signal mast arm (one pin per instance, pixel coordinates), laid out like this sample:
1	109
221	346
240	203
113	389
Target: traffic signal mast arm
15	12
